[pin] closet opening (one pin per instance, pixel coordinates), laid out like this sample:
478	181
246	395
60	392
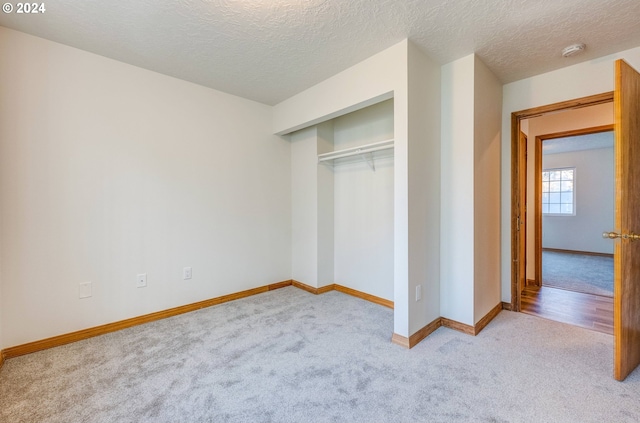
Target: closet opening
343	203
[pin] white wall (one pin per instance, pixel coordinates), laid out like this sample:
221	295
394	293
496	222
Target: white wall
581	80
457	161
470	231
304	207
326	215
423	173
312	215
108	170
363	203
594	185
570	120
487	126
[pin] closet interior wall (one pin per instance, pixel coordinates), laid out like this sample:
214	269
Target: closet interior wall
363	203
342	209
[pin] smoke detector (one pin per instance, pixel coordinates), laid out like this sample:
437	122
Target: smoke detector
573	49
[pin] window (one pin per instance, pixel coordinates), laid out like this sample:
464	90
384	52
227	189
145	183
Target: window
558	192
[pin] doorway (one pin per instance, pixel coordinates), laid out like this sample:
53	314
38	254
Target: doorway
626	297
519	170
569	273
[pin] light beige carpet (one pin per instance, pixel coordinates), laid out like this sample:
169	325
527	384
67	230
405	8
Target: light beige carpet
289	356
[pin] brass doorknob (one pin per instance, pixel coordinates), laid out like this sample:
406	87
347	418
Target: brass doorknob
614	235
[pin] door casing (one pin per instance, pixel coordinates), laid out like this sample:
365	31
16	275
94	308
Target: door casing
519	177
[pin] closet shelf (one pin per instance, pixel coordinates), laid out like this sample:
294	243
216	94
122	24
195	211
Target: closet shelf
356	151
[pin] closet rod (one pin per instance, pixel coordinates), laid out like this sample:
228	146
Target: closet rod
348	152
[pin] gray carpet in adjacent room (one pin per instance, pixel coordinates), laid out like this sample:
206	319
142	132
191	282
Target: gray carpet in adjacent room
290	356
578	272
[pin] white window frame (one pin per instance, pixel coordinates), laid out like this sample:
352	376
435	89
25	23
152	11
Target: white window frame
574	192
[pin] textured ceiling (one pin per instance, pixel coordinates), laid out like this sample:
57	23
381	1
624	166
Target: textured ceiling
578	143
269	50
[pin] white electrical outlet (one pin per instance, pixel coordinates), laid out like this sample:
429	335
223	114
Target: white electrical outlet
141	280
84	290
418	292
186	273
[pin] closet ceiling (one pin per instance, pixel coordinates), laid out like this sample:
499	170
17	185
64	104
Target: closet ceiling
269	50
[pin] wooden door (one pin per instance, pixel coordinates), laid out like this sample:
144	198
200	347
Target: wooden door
627	250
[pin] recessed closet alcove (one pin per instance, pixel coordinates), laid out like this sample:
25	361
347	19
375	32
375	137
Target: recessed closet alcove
343	202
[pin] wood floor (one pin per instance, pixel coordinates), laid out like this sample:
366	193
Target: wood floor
585	310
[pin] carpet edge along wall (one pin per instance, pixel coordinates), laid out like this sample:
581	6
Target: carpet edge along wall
59	340
427	330
63	339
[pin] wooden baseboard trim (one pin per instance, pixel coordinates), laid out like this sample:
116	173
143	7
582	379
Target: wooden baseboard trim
279	285
424	332
475	329
531	282
59	340
586	253
460	327
415	339
410	342
344	290
312	290
364	296
326	288
507	306
448	323
403	341
482	323
68	338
